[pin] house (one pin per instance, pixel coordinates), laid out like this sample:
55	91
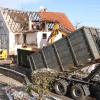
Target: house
31	29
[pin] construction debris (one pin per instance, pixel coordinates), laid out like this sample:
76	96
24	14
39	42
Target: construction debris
42	80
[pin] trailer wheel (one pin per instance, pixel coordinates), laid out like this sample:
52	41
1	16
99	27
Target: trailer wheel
77	92
60	87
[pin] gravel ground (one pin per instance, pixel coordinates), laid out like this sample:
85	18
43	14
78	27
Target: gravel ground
2	92
9	80
12	82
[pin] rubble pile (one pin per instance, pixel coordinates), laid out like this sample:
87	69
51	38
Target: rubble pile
42	80
14	94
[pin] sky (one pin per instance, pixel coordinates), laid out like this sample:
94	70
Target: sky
80	12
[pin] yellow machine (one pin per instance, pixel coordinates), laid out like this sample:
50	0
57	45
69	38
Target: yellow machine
55	33
3	54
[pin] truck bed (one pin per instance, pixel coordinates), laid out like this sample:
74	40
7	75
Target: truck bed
77	49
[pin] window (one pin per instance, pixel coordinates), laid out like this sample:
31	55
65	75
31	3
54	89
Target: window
44	36
17	39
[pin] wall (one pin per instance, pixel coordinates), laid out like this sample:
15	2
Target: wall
31	38
43	42
4	34
18	39
11	43
40	41
9	26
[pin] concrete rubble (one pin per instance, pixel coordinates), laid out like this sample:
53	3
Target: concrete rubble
19	94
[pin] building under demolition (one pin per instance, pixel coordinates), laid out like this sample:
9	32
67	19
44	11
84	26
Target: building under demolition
32	29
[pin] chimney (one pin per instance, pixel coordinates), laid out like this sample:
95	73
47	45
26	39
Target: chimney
43	9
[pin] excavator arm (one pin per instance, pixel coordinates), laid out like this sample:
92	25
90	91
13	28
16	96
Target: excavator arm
55	32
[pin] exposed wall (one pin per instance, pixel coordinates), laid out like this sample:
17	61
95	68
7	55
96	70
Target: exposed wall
4	34
40	41
43	42
8	28
18	39
11	43
31	38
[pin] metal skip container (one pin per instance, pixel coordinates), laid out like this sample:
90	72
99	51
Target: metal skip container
77	49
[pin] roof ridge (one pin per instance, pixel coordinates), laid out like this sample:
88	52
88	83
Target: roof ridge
54	12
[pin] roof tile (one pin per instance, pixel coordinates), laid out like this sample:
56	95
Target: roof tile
61	18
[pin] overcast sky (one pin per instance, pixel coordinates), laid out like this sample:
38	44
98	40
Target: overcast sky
85	12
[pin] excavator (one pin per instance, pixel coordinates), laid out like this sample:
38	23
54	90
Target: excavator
55	32
3	54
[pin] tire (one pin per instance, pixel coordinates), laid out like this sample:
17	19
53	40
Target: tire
77	92
95	92
60	87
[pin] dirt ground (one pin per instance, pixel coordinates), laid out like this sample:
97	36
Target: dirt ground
9	81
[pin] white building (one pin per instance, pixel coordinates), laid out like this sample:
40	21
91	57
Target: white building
21	28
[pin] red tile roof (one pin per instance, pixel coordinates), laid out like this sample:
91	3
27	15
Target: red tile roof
61	18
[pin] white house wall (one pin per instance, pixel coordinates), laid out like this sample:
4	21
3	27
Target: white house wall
40	41
4	34
11	43
18	39
44	42
18	42
31	38
9	24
